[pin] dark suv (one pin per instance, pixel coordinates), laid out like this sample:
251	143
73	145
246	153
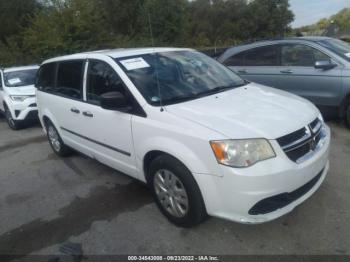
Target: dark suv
316	68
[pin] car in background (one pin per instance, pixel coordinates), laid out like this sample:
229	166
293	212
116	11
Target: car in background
316	68
202	138
17	95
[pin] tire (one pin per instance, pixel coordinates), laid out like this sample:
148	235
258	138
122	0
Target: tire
347	115
13	124
175	191
56	141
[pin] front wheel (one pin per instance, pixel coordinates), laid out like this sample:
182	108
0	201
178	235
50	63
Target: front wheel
13	124
56	141
176	192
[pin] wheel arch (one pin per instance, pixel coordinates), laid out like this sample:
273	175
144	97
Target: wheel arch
197	163
150	157
46	117
343	106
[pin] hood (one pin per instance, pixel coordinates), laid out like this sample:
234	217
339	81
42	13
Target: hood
252	111
22	90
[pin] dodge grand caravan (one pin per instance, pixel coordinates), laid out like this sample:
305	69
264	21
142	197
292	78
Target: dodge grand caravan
17	95
204	140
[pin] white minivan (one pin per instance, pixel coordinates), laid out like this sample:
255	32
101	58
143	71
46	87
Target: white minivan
17	95
204	140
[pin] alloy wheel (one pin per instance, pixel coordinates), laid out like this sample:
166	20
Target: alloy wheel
54	139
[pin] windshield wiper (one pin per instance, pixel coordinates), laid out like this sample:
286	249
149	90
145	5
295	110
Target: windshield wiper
178	99
219	89
215	90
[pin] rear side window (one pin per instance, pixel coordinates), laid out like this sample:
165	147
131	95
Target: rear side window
235	60
46	79
300	55
261	56
70	79
102	79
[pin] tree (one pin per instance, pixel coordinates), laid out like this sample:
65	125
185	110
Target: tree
269	18
13	16
65	27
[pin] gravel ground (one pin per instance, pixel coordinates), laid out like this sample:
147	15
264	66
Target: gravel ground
46	201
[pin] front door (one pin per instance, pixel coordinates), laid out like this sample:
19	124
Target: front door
259	65
107	133
298	75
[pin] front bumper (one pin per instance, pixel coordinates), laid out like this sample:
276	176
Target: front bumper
26	110
235	195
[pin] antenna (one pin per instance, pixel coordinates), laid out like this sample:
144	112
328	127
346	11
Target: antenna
156	62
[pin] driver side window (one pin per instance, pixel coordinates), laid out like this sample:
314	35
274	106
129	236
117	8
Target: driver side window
101	79
300	55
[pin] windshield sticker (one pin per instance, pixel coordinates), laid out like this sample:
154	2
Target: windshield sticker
135	63
155	99
348	55
14	81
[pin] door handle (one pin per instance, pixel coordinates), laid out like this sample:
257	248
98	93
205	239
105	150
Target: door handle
287	71
242	71
88	114
74	110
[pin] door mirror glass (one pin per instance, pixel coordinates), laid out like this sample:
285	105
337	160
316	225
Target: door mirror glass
324	64
115	101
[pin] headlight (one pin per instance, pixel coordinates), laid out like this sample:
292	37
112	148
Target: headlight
242	153
20	98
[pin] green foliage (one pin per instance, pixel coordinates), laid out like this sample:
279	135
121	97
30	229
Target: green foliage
341	21
43	29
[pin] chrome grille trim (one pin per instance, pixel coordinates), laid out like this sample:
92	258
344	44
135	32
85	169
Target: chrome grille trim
299	149
301	141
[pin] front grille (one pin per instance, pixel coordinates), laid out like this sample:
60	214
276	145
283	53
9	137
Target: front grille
274	203
303	141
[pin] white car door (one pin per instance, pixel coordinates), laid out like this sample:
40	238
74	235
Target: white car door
107	133
1	94
64	100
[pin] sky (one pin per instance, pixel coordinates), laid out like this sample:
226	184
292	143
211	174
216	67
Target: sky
311	11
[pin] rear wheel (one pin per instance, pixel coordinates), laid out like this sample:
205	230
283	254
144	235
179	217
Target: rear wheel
56	141
13	124
176	192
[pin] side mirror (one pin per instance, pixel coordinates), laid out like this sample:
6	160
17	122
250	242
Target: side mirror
115	101
325	65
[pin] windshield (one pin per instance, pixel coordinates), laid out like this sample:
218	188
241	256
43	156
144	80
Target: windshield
20	78
337	46
180	75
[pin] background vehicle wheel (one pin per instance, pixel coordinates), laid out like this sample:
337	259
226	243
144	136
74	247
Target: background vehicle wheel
347	115
13	124
176	192
56	142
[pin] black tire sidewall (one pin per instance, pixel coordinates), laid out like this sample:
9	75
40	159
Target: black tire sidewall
347	115
64	150
196	213
15	125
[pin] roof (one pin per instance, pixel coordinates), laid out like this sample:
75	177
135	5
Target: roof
20	68
309	38
239	48
116	53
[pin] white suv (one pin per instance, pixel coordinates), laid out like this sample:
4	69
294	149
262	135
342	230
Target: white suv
203	139
17	95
